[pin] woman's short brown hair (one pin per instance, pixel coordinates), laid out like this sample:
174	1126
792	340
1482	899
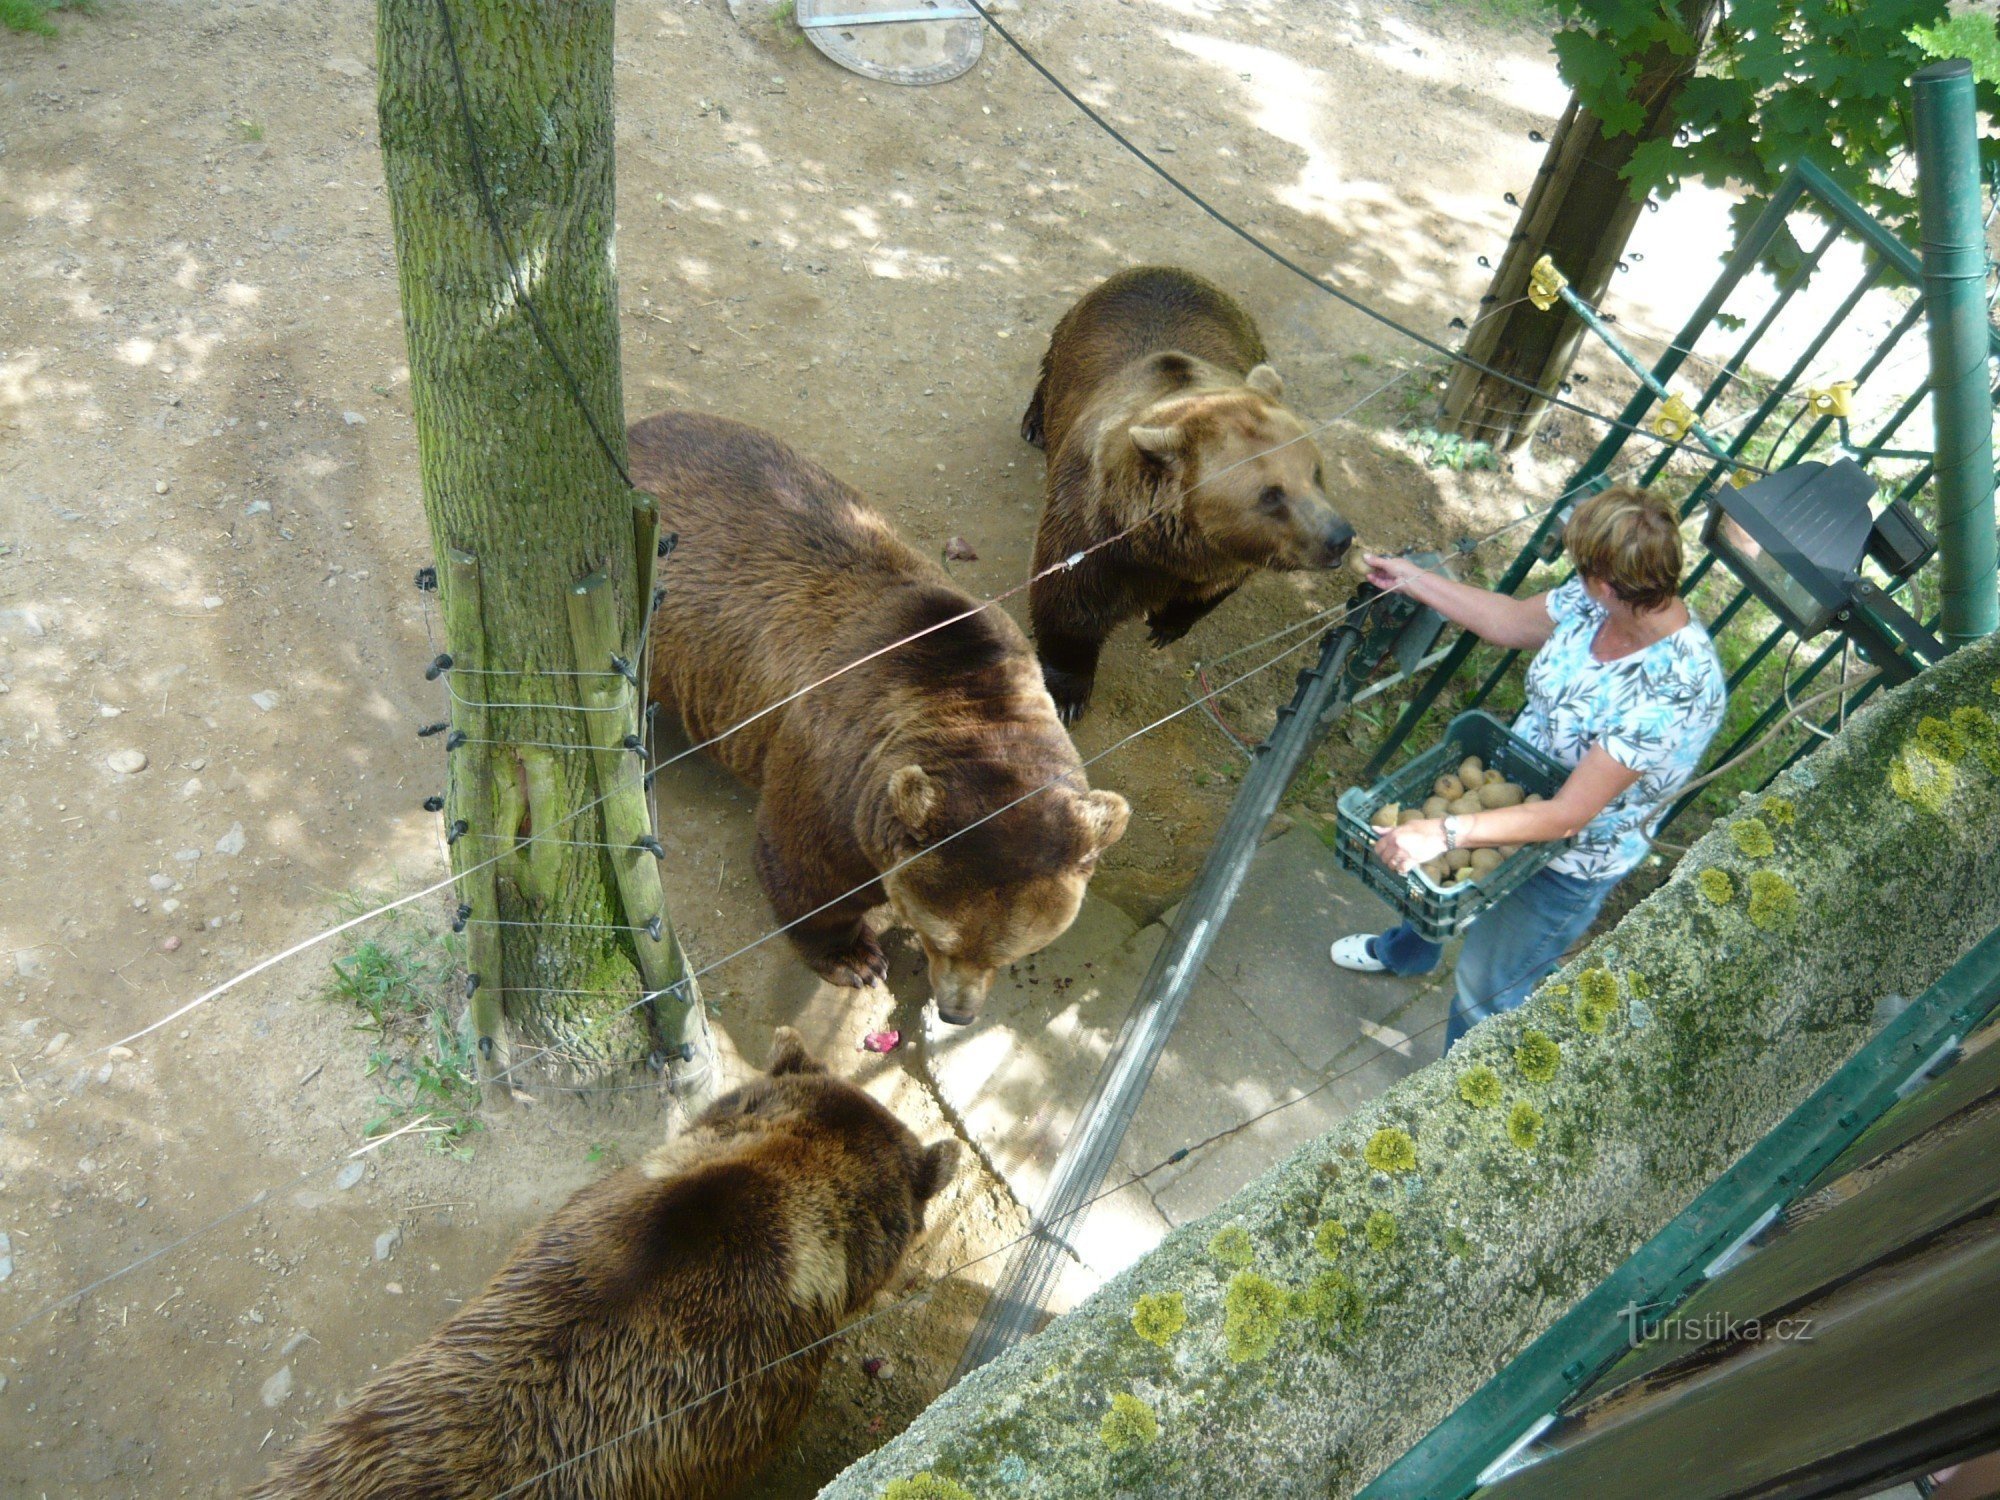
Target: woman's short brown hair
1629	539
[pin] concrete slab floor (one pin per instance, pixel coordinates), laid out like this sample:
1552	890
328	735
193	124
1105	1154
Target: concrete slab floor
1273	1046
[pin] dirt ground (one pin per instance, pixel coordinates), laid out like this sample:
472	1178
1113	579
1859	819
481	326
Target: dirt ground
209	520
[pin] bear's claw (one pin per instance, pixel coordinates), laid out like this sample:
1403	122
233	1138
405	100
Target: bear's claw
1070	691
861	967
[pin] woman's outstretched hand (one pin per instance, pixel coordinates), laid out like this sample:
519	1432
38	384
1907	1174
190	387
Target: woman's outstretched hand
1403	849
1390	572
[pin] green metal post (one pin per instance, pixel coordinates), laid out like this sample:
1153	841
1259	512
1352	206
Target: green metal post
1954	260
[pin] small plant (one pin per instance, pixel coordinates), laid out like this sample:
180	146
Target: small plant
33	15
399	982
1524	1125
1232	1246
1537	1056
1129	1424
1479	1086
250	130
1447	450
1380	1231
1156	1319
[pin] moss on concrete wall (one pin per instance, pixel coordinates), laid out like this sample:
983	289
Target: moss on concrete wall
1363	1294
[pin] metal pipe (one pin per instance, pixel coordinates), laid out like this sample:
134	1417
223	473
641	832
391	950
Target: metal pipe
1016	1308
1954	262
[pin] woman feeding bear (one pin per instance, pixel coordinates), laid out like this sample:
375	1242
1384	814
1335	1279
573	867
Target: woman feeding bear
1625	689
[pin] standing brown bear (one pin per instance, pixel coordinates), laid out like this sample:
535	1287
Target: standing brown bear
1156	402
660	1333
783	577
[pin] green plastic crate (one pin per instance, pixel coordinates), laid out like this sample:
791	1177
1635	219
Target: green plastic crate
1442	912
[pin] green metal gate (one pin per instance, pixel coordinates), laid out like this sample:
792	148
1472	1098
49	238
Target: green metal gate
1764	434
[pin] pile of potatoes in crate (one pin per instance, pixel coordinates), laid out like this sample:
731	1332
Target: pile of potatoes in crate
1470	789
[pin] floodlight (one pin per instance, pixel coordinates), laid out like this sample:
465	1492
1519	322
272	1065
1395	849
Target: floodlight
1797	539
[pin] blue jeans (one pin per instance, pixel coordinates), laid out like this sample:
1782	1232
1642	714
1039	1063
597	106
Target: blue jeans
1508	949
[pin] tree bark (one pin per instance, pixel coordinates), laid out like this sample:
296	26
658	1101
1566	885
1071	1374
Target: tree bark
1580	212
522	501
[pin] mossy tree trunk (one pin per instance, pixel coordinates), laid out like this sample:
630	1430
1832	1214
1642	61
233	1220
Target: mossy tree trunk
522	501
1580	213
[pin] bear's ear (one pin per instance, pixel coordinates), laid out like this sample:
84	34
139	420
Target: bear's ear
789	1055
934	1170
914	796
1266	382
1162	443
1104	816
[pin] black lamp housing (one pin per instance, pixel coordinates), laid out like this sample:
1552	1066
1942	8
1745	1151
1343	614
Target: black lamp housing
1797	539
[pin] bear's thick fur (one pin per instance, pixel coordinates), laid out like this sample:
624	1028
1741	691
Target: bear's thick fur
621	1351
784	576
1156	402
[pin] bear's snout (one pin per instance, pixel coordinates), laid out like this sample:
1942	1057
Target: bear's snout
1335	539
959	988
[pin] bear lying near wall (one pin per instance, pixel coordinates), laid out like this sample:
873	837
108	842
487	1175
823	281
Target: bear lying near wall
620	1351
1155	401
784	576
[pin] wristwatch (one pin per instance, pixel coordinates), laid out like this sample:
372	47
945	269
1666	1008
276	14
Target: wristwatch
1450	833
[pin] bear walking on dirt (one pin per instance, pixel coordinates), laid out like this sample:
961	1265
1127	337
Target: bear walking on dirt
1156	405
660	1333
873	781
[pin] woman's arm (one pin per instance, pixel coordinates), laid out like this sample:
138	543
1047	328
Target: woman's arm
1597	779
1519	624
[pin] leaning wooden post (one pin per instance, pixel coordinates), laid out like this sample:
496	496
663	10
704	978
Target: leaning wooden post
472	804
619	757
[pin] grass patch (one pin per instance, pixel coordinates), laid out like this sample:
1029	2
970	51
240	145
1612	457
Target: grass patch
400	984
33	15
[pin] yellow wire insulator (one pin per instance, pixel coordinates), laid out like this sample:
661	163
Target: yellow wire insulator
1674	420
1545	284
1835	400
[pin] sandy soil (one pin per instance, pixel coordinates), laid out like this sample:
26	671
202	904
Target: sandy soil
209	519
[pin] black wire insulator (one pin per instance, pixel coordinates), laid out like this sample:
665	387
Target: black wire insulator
650	845
1510	200
668	542
1485	263
659	595
1457	323
438	668
457	831
655	926
633	743
461	917
624	669
430	729
433	804
471	985
453	740
1535	135
427	580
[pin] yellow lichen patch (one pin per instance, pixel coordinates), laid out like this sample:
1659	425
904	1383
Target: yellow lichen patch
1597	987
1594	1015
926	1486
1716	885
1479	1086
1774	901
1330	1239
1753	838
1640	986
1331	1302
1380	1230
1981	734
1129	1424
1390	1150
1779	810
1524	1125
1939	741
1232	1246
1253	1314
1157	1319
1922	782
1537	1056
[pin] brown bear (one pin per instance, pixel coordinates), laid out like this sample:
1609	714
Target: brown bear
1156	401
784	576
660	1333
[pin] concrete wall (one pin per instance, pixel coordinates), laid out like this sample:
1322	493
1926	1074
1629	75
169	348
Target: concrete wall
1334	1310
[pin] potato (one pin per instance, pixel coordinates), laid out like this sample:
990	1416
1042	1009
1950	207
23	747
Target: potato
1466	806
1457	859
1499	794
1532	798
1465	876
1508	851
1436	807
1484	861
1436	869
1448	787
1413	815
1386	816
1471	771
